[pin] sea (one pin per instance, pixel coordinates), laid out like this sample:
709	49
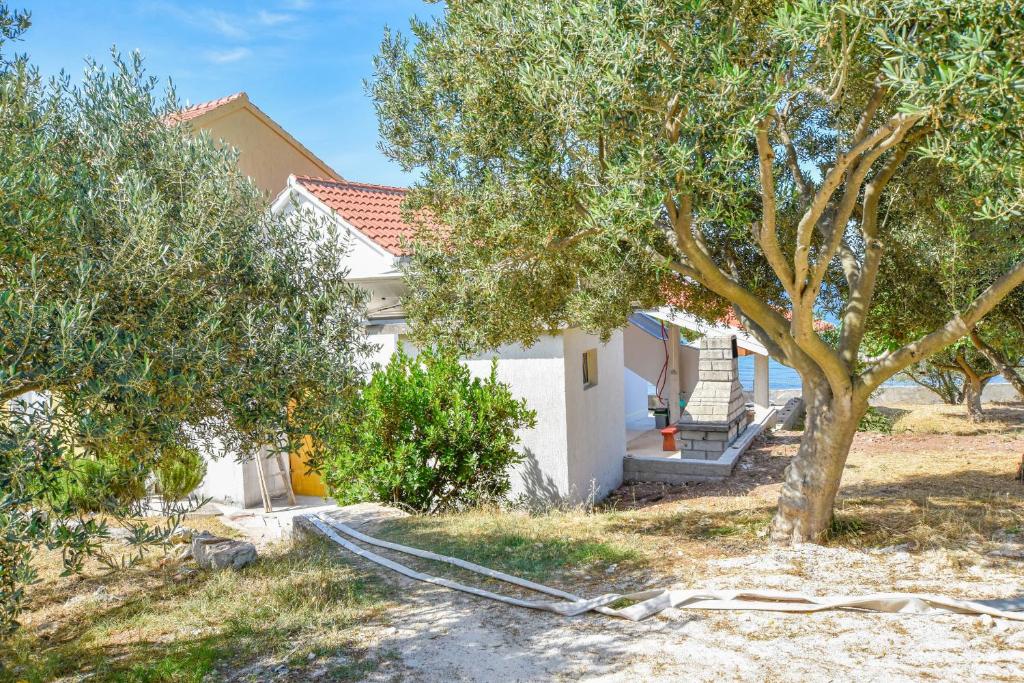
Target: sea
784	377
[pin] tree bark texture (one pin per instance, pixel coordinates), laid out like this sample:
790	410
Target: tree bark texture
973	389
812	477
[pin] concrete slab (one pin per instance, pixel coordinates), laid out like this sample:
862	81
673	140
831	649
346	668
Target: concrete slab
645	461
277	525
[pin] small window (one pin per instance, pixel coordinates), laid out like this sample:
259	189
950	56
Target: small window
735	348
590	368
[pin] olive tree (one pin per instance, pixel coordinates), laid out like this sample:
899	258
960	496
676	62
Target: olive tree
587	156
939	261
148	300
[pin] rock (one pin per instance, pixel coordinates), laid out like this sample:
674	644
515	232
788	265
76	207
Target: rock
901	548
184	575
181	535
1007	536
116	533
183	553
1011	552
47	629
98	595
214	552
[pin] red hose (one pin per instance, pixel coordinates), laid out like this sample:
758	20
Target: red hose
659	386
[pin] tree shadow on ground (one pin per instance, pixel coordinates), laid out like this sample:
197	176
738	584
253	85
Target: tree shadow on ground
143	625
948	510
763	464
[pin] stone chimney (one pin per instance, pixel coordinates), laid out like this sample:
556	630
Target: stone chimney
716	412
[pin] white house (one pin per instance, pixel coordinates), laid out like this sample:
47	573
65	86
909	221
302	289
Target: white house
576	449
592	399
589	396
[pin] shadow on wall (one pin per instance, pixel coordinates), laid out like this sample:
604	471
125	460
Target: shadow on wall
539	491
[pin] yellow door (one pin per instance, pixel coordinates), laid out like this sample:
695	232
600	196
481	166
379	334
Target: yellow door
304	482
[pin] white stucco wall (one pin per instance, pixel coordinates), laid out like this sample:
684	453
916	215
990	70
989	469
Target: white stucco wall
643	354
688	371
364	259
538	375
636	390
387	345
223	481
595	430
237	483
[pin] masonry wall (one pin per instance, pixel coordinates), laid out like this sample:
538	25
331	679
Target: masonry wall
595	428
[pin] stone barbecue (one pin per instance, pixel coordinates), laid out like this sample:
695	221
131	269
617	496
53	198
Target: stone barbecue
716	412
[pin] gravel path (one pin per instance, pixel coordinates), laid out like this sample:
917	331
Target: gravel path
440	635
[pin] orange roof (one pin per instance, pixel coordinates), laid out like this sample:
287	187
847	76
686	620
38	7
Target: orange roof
375	210
195	110
729	318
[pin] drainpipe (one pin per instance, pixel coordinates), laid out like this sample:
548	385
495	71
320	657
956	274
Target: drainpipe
672	382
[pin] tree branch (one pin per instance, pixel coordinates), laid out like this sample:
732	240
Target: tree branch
956	328
998	361
768	236
709	274
833	178
793	161
863	288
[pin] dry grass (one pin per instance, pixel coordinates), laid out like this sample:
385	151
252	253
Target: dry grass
926	491
1000	418
951	494
161	622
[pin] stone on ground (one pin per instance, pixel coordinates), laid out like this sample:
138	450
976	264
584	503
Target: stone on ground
215	552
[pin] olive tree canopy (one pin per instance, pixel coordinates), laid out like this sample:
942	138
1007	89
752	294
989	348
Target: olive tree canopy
589	156
148	298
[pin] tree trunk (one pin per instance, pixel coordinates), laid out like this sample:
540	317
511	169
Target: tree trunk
973	389
812	477
999	361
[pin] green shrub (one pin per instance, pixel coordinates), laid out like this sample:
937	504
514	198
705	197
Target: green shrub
875	421
102	482
428	437
179	472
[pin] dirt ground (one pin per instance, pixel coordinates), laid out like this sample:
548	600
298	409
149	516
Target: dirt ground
932	513
929	513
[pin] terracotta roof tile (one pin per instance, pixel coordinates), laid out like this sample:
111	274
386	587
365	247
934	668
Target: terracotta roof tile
678	299
375	210
195	110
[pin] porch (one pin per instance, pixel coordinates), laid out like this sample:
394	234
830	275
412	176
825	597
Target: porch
645	459
665	369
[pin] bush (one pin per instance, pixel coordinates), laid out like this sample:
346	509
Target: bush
875	420
179	472
428	437
103	482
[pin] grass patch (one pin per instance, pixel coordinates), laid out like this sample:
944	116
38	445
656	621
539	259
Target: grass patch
150	624
876	420
953	420
531	546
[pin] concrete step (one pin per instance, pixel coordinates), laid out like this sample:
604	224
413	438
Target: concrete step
678	470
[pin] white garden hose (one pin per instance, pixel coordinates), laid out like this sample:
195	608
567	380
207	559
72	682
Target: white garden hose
653	601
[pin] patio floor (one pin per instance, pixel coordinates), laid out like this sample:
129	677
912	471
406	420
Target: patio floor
642	439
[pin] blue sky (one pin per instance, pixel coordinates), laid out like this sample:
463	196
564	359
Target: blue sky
303	62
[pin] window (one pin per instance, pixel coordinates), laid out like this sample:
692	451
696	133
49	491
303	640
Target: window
590	368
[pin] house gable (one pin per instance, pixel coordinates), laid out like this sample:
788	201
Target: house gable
366	258
267	153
